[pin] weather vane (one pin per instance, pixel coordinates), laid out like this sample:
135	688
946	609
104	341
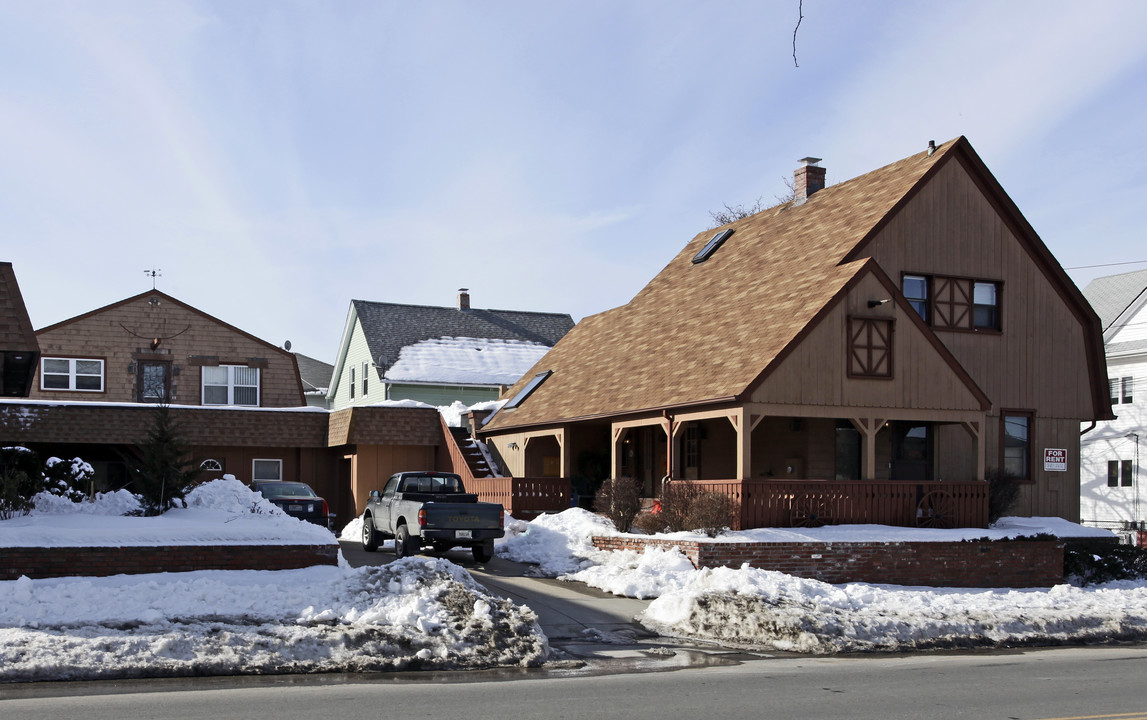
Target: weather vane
153	274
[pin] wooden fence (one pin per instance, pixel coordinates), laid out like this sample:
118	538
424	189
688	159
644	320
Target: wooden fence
803	503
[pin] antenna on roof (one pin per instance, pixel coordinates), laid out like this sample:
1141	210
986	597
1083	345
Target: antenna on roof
153	274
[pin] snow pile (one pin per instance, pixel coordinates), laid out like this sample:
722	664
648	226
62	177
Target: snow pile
755	608
558	543
220	512
759	608
463	360
120	502
416	613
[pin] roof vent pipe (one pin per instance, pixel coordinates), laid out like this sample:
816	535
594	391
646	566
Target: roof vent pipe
463	298
809	178
931	147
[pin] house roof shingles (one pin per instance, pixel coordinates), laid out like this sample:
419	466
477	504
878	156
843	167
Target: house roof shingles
315	374
744	305
389	327
1113	294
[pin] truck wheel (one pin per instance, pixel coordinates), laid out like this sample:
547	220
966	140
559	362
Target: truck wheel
369	536
485	552
405	545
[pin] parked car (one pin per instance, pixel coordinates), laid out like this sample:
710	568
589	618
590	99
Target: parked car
433	509
297	499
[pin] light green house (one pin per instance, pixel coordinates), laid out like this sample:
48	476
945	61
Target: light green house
437	355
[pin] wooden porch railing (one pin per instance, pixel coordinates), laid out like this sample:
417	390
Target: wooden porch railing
802	503
524	497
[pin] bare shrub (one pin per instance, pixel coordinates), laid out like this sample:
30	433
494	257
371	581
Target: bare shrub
685	506
712	513
1003	491
619	499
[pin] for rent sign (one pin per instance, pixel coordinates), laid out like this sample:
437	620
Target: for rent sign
1055	460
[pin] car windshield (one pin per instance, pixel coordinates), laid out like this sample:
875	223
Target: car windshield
431	484
286	490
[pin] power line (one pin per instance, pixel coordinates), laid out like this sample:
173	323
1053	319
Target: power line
1087	267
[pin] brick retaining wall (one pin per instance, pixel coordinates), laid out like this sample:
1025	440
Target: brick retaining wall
1010	563
35	562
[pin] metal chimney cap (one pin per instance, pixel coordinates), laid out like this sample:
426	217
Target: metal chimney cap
810	160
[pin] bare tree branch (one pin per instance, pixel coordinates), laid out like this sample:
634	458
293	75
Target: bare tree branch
800	12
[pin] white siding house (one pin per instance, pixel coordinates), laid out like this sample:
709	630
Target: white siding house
1111	478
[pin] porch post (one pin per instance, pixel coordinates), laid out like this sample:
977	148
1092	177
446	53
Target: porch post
976	430
614	463
868	428
564	453
741	422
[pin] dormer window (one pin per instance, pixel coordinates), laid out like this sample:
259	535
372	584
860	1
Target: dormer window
712	245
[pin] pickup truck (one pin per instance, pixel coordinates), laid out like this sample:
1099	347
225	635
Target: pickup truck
418	509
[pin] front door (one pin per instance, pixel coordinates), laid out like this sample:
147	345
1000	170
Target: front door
911	451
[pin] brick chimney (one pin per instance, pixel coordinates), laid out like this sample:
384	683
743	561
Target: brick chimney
463	298
808	179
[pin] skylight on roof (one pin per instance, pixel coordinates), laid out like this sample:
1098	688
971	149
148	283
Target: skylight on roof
531	386
712	245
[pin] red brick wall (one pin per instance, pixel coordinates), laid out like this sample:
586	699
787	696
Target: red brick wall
1014	563
103	561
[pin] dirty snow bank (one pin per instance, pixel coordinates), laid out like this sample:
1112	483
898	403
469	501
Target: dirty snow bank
417	613
759	608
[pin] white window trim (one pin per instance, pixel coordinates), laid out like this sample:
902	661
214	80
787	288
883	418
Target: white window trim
211	465
72	374
203	385
277	461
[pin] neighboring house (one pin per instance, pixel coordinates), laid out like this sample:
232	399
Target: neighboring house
437	355
316	378
19	351
1111	495
868	352
153	348
238	402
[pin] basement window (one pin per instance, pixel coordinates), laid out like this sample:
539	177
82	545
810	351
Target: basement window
712	245
531	386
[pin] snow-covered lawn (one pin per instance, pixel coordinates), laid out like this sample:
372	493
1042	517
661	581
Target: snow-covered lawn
759	608
415	613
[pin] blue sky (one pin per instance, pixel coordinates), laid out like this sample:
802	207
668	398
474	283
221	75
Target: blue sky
277	159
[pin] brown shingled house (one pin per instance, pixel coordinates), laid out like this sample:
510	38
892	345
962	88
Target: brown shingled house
238	400
868	352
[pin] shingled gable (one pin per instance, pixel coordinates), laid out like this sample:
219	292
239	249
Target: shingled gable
19	351
296	389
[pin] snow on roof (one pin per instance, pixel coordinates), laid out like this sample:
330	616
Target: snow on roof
466	361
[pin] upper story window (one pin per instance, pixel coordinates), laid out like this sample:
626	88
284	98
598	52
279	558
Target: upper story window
230	385
80	374
352	383
1122	389
365	374
950	303
869	347
1120	472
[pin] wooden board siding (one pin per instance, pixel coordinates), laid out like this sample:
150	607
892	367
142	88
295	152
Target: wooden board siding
815	373
1038	360
372	465
122	333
